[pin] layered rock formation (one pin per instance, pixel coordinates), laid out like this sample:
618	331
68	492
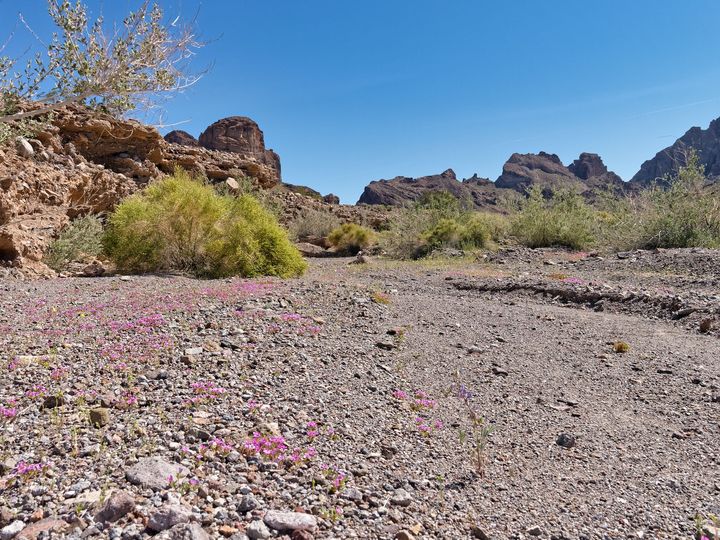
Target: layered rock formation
667	162
87	162
587	174
480	192
240	135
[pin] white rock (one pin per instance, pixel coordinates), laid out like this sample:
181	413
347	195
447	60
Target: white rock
12	530
24	148
290	521
257	530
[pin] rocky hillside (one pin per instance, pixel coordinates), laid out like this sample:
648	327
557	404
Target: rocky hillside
587	174
706	142
87	163
396	192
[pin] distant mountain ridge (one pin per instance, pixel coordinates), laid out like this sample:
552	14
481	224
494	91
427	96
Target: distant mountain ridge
587	175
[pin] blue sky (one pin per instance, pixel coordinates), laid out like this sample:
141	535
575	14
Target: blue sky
349	92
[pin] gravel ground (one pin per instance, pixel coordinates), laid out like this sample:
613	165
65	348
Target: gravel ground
330	406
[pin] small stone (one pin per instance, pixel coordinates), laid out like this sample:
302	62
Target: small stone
477	532
232	184
404	535
534	531
290	521
401	497
168	516
118	505
257	530
100	417
154	472
43	526
227	531
194	351
499	371
24	148
51	402
565	440
183	531
706	325
12	530
247	504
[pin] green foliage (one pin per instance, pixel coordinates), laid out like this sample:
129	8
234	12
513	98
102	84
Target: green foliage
350	238
565	219
314	223
683	213
111	67
182	224
82	238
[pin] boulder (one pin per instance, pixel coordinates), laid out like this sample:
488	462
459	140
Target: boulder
168	516
183	531
117	506
290	521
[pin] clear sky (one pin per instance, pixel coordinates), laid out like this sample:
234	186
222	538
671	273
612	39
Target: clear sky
349	92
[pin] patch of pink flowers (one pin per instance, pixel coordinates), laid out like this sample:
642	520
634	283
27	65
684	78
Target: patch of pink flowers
24	468
400	395
8	412
271	447
423	401
205	391
37	390
426	427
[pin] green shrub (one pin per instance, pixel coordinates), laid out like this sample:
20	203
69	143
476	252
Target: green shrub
314	223
82	238
565	219
180	223
350	238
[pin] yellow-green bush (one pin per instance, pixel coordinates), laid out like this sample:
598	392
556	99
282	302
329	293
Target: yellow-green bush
350	238
436	221
565	219
180	223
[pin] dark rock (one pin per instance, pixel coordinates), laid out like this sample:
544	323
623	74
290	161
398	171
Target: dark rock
477	192
183	138
331	198
565	440
667	162
523	171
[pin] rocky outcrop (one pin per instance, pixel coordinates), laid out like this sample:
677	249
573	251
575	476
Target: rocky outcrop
240	135
478	192
667	162
87	163
523	171
587	174
183	138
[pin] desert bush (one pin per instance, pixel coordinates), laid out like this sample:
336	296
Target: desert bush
683	215
437	220
81	238
313	223
677	212
564	219
180	223
350	238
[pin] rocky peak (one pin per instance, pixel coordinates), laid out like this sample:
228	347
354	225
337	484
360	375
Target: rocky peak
522	171
667	162
587	166
240	135
183	138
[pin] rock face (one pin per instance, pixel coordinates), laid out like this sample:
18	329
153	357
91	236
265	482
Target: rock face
706	142
523	171
479	192
87	163
183	138
240	135
587	174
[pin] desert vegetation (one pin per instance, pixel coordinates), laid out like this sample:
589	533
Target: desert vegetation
179	223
